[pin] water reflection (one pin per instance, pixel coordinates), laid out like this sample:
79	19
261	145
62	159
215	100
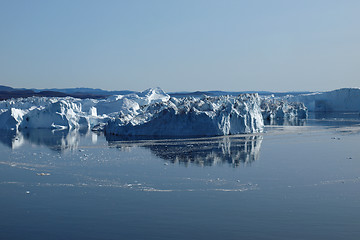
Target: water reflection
286	122
11	139
233	150
55	140
334	119
335	115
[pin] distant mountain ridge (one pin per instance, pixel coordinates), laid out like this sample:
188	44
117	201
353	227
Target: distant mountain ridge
96	91
7	92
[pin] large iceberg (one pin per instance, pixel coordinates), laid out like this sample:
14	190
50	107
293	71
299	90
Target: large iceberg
206	116
340	100
148	113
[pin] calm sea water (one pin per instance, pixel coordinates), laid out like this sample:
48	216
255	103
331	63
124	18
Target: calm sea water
295	181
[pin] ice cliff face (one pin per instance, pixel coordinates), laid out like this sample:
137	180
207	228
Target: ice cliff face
341	100
58	114
47	113
10	118
207	116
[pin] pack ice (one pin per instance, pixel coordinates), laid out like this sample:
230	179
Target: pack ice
148	113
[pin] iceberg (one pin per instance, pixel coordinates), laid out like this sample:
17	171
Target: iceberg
273	109
206	116
340	100
72	113
60	114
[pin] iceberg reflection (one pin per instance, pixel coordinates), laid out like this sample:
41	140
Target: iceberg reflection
59	140
55	140
286	122
12	139
233	150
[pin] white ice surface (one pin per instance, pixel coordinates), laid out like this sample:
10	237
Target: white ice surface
206	116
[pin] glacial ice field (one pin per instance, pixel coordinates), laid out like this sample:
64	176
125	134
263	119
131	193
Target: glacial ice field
294	180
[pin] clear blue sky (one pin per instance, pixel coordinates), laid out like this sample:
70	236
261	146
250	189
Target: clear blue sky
181	45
